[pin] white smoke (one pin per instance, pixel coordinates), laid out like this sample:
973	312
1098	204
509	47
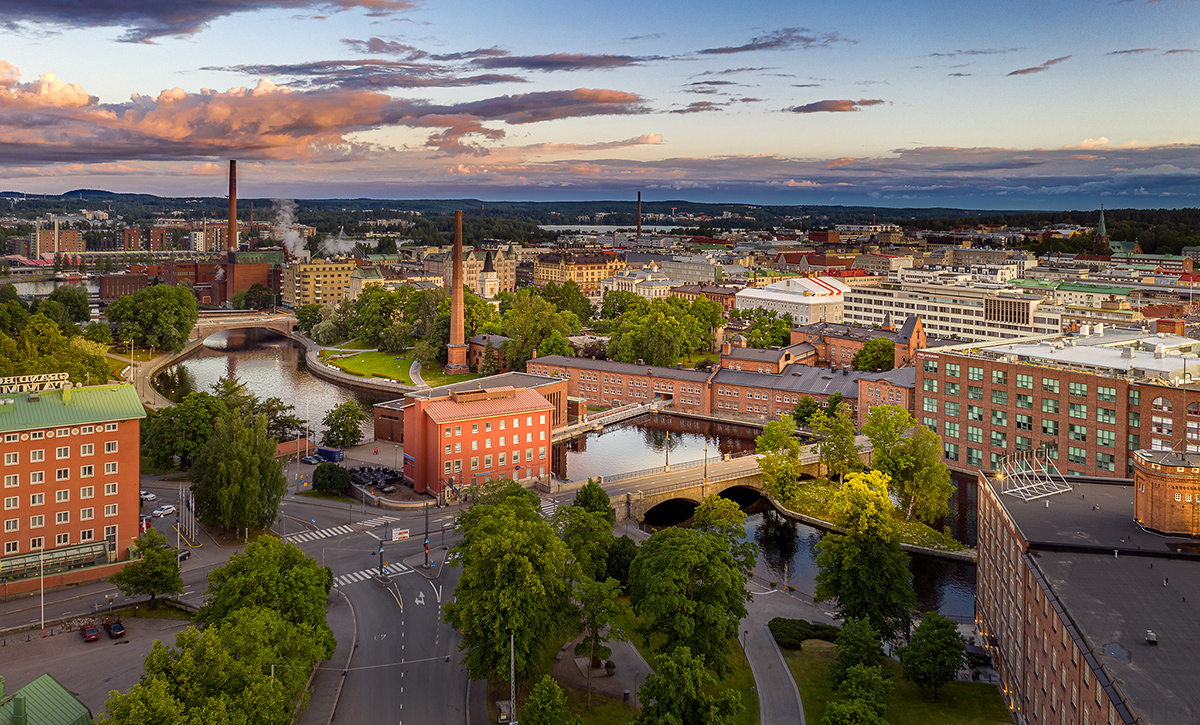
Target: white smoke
341	244
285	219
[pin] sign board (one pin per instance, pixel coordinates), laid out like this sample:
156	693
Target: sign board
399	534
35	383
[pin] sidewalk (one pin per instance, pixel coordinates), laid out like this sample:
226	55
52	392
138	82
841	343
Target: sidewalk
326	685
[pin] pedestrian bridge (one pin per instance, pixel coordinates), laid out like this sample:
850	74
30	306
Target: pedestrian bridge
208	325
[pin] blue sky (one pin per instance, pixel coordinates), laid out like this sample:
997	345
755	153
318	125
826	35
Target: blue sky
980	105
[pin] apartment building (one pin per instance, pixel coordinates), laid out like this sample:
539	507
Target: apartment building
881	264
724	295
71	479
646	282
585	270
319	282
56	240
690	269
1087	399
504	262
960	310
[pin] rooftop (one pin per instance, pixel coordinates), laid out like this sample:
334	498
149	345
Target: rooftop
95	404
620	368
47	702
511	379
521	401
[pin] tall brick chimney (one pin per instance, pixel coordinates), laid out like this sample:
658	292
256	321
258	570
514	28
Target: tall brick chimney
231	233
456	351
639	228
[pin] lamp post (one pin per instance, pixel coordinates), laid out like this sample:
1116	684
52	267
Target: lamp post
744	633
396	457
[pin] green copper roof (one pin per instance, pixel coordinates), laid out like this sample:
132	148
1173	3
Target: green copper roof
1101	232
84	406
47	702
1035	283
1097	289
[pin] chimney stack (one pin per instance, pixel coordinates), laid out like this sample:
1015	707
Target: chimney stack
639	227
456	351
232	233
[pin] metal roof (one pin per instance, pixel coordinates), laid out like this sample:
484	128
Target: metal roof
96	404
610	366
47	702
522	401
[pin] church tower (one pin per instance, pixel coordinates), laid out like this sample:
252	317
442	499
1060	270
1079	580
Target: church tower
489	281
1101	245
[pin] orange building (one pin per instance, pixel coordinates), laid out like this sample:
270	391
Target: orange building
71	479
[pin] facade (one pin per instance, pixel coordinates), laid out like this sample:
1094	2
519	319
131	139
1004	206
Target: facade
477	348
836	345
56	240
585	270
690	269
736	356
1087	399
807	300
71	472
317	282
647	282
1080	607
881	264
362	278
1166	491
724	295
441	264
113	286
960	310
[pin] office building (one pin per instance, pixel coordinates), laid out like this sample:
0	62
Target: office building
321	281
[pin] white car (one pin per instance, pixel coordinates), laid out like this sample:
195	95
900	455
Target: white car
164	510
147	496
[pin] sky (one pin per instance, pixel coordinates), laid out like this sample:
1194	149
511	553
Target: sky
981	105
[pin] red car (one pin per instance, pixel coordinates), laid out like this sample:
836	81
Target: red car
90	632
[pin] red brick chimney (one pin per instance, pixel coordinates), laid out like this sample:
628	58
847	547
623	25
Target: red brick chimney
231	232
456	351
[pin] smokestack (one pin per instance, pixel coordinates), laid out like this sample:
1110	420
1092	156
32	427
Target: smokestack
232	230
56	235
456	350
639	231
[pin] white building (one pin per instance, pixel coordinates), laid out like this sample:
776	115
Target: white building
806	299
646	282
962	309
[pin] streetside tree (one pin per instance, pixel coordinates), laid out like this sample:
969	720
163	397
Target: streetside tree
156	573
926	486
236	479
779	458
837	449
331	478
547	705
935	654
177	434
599	611
621	554
805	410
591	497
857	645
692	589
878	355
587	536
343	425
725	517
675	693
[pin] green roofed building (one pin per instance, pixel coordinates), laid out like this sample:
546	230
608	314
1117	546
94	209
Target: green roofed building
42	702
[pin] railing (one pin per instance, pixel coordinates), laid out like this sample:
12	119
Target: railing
745	473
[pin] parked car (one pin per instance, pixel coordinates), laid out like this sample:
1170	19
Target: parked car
143	523
90	632
114	627
184	554
164	510
147	496
310	460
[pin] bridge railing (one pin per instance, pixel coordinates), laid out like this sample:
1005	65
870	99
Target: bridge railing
727	475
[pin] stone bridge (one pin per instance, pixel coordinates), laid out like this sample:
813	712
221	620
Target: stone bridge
211	324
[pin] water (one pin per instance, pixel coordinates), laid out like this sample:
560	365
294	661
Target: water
610	228
270	366
43	287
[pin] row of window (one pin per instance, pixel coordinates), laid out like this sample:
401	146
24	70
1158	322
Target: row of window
487	427
487	442
60	474
1075	456
38	435
63	452
60	518
38	542
60	496
502	459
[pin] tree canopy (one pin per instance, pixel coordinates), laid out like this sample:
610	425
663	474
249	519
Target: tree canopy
343	424
876	355
837	448
156	572
935	654
161	316
779	458
675	693
236	479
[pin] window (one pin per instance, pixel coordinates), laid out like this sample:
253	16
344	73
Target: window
951	389
1024	444
448	431
85	535
37	456
1078	390
62	432
87	430
974	373
1049	385
999	397
36	543
62	452
501	425
487	461
931	366
1025	401
474	427
110	532
1025	381
1077	433
37	435
87	492
1050	427
12	480
930	423
1106	438
62	539
1077	410
87	471
999	439
1109	395
1049	405
458	430
458	466
974	457
110	468
952	370
62	517
1024	422
501	462
929	405
12	437
110	489
87	514
1135	419
974	412
110	509
1161	404
951	409
1161	426
951	430
999	417
12	525
62	474
999	377
87	449
542	453
12	459
62	496
950	450
447	450
1077	456
1135	397
37	499
974	435
12	502
929	385
447	469
37	522
458	447
487	427
974	393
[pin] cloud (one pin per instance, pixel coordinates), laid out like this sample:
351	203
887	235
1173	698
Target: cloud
1131	51
145	22
782	39
562	61
974	51
650	36
1173	51
732	71
379	46
838	106
958	75
372	74
1039	68
806	85
713	83
700	107
646	139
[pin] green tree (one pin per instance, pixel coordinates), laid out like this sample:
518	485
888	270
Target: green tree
725	518
236	479
805	410
490	365
343	425
886	427
530	320
59	315
397	337
587	536
837	449
375	310
767	328
925	486
621	554
547	705
178	434
851	712
513	581
98	332
273	575
935	653
161	316
569	298
599	611
155	573
331	478
877	355
555	344
74	300
307	316
692	589
675	693
866	684
858	645
41	347
591	497
779	458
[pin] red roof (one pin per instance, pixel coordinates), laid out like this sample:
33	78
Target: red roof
525	401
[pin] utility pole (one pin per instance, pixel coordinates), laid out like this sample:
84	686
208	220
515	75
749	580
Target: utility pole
512	674
426	534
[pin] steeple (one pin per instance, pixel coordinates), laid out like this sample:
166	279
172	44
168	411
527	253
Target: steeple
1102	234
489	267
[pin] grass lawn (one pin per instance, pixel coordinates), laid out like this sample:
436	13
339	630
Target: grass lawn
376	363
814	499
139	355
435	378
116	366
354	344
958	703
326	496
162	611
690	363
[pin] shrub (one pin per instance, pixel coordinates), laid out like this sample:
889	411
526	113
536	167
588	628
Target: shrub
791	633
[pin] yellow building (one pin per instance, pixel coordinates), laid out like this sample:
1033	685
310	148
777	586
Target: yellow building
317	282
586	270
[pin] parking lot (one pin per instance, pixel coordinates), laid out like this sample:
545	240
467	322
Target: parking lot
91	670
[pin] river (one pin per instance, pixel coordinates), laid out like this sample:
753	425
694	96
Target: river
270	366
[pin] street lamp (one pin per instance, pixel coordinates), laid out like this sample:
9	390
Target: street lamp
744	633
396	457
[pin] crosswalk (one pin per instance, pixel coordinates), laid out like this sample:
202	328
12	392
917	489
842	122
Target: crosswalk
548	507
370	523
304	536
358	576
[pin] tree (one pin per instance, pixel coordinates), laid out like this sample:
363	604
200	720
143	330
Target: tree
236	479
272	574
935	653
926	485
490	365
591	497
779	458
621	554
547	705
343	425
375	310
555	344
98	332
675	693
725	518
74	300
58	314
161	316
838	451
878	355
858	645
599	610
587	536
692	589
398	337
569	298
155	573
513	581
307	316
851	712
331	478
886	427
866	684
528	321
805	410
864	569
178	434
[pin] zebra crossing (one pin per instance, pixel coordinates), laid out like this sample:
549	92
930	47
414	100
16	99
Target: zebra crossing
548	507
358	576
371	523
304	536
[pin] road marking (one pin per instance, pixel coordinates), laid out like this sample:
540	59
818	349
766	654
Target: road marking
306	536
394	569
548	507
378	521
420	598
437	591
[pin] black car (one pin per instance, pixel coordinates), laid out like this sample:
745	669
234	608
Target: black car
114	628
184	554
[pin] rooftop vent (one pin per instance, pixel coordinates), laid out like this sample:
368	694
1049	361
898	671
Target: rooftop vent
35	397
1151	638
